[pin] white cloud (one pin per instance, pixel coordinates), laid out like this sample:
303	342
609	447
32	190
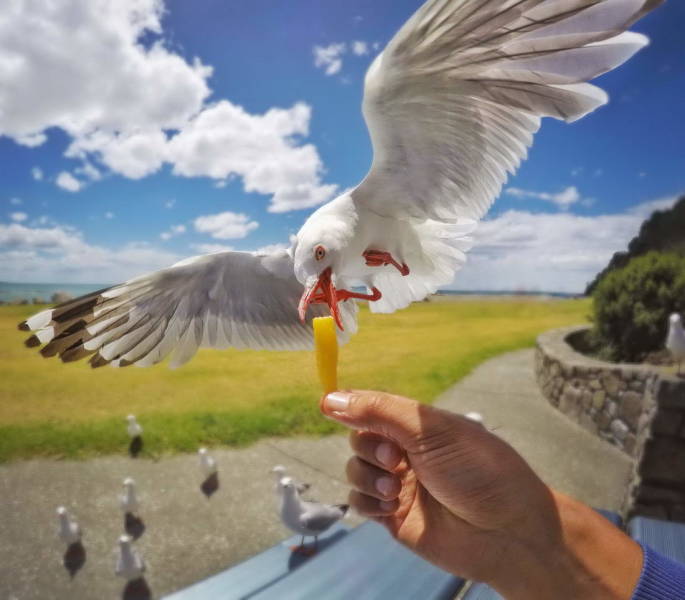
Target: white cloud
59	253
18	216
359	48
16	201
109	215
98	79
226	225
563	199
170	203
68	182
174	230
520	250
37	173
329	58
225	141
211	248
95	86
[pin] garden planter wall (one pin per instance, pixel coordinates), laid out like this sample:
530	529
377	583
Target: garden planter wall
633	407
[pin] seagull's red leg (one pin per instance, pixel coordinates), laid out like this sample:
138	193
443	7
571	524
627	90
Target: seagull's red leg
342	295
378	258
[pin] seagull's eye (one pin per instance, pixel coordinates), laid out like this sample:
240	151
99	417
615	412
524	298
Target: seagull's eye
319	252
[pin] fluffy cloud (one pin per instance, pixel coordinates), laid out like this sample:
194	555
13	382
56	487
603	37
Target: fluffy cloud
359	48
37	173
68	182
60	253
174	230
15	201
548	252
109	215
563	199
96	86
262	151
329	58
225	225
18	217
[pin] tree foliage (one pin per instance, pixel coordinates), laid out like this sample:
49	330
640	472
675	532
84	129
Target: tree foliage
664	231
632	305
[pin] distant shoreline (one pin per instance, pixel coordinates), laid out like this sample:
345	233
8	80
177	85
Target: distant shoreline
15	293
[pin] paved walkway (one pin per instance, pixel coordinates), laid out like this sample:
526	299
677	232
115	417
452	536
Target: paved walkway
188	536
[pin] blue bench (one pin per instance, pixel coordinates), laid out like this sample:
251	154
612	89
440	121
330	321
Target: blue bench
665	537
259	572
365	562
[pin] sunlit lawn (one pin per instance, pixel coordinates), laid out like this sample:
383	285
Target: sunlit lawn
235	397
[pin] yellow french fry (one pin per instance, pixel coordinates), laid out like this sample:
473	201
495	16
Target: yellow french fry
326	345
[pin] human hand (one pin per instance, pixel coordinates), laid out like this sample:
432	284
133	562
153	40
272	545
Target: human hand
467	501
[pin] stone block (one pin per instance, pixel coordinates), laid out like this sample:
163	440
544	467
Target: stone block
677	513
650	494
612	408
598	399
611	383
655	511
667	422
595	384
630	408
663	461
636	385
619	429
603	420
586	399
555	369
670	393
629	444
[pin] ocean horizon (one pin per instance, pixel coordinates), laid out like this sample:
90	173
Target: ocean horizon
18	292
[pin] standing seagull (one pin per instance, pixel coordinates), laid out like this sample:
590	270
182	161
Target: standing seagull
279	472
452	104
675	342
130	565
68	530
129	499
207	463
134	429
307	518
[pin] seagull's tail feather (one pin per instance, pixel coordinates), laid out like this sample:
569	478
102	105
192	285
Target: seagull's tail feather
440	251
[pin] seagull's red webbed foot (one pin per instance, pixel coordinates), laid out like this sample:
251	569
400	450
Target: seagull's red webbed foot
378	258
303	550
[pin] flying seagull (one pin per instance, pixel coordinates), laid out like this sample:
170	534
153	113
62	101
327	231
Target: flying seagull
452	104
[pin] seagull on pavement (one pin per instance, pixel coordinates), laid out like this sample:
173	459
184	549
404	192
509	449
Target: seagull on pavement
307	518
130	565
68	530
452	104
133	428
279	472
129	499
207	463
675	342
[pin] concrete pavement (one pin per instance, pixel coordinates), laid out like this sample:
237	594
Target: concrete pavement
188	536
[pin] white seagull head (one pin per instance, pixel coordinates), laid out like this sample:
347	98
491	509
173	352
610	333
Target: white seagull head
317	254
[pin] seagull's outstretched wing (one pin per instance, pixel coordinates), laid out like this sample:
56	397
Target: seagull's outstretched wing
236	299
454	100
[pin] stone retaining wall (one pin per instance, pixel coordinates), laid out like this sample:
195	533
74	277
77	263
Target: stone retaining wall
634	407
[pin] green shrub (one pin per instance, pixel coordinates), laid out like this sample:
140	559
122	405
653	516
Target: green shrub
632	305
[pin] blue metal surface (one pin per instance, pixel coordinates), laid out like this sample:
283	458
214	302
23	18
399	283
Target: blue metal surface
368	564
480	591
248	578
665	537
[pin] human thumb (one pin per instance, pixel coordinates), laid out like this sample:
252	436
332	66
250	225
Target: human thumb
397	418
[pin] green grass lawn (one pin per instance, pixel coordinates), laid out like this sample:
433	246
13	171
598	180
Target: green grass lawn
234	397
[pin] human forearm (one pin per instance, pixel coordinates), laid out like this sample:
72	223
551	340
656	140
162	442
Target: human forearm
587	557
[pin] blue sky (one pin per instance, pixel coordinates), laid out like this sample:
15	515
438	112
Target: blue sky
135	133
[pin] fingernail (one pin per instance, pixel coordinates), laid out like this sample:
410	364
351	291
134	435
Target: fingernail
337	402
385	485
385	453
387	506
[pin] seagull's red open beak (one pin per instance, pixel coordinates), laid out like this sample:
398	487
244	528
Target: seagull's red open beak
321	292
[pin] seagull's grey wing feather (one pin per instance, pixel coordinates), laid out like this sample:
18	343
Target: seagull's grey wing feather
228	299
453	102
319	517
